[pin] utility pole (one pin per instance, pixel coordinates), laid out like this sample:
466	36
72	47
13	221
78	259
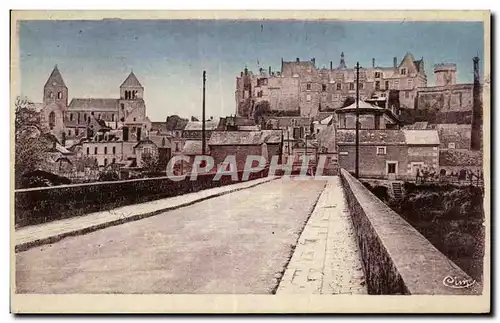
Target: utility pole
357	120
203	143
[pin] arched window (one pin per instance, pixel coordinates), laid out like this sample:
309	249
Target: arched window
88	150
77	131
95	151
51	95
52	120
105	150
71	117
92	113
59	95
105	161
114	150
113	117
69	132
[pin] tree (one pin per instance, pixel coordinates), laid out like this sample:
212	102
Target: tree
86	162
30	150
262	109
150	163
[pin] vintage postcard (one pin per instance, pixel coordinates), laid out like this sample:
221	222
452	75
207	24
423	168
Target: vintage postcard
250	162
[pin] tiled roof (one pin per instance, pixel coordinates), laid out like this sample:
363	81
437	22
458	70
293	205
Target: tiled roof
222	138
460	157
197	125
158	140
146	141
271	136
382	137
94	104
421	137
55	78
131	81
193	147
421	125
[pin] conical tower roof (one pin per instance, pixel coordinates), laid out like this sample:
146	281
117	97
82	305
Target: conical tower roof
55	78
131	81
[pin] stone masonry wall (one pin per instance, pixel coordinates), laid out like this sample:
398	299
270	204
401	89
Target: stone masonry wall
397	259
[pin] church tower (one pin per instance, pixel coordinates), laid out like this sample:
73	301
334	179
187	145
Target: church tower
131	88
55	91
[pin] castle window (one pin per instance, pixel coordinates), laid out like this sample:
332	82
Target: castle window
381	150
77	131
378	75
403	71
122	106
92	113
323	87
351	86
407	94
105	161
105	150
387	85
308	86
134	119
59	95
69	132
308	98
163	141
113	161
88	150
95	151
114	150
113	117
339	86
51	95
85	117
99	116
377	85
71	117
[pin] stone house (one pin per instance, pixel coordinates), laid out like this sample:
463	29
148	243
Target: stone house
266	143
388	154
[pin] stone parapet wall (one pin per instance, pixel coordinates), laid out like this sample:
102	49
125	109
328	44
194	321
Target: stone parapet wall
397	259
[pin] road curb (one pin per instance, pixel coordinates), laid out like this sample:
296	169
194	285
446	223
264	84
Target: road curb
52	239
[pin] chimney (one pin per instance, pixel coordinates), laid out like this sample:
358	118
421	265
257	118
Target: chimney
241	74
395	62
476	135
246	71
269	70
313	60
373	62
331	65
297	59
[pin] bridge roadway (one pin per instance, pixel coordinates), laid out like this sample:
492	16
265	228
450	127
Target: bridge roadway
240	242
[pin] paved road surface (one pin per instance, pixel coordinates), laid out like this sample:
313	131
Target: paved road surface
235	243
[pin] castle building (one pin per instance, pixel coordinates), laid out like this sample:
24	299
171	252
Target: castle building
302	89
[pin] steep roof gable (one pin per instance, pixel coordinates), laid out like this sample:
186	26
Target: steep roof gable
408	61
55	78
131	81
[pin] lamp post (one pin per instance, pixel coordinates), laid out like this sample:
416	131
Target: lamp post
203	143
357	120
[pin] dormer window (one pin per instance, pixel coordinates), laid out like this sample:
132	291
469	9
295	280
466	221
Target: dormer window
378	75
403	71
59	95
308	86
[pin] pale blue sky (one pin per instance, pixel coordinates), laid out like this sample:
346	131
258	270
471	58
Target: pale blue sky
168	57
